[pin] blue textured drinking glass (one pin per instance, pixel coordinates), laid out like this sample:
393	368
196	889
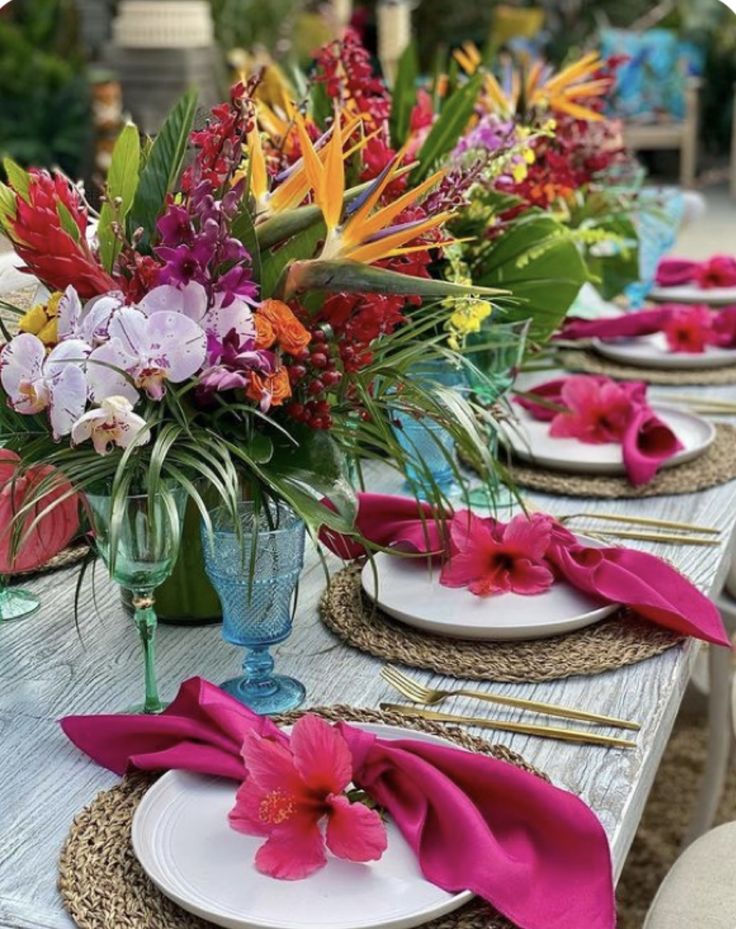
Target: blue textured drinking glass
254	566
429	447
657	222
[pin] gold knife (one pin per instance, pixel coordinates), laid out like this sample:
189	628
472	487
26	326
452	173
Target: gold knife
548	732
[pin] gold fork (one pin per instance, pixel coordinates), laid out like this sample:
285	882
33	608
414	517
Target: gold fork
418	693
543	732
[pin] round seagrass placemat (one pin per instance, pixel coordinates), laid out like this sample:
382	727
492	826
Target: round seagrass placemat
717	465
103	886
591	362
621	640
66	558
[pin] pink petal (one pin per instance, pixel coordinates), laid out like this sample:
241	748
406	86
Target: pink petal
495	580
270	764
321	755
468	530
244	815
355	832
464	567
529	537
579	393
527	578
293	853
568	426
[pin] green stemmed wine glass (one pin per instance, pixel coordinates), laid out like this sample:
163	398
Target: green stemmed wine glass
138	539
495	354
14	603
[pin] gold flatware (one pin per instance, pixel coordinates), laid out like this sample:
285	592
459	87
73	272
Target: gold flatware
641	521
545	732
665	538
430	696
714	402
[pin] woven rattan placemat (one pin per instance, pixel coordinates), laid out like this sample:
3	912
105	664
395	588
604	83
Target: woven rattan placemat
66	558
103	886
717	465
591	362
621	640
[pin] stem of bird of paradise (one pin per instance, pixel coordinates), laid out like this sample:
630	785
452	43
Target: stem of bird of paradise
146	622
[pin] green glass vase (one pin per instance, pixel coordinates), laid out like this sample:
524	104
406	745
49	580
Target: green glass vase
187	598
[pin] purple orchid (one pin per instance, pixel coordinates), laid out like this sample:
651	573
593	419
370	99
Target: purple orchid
229	363
34	381
144	352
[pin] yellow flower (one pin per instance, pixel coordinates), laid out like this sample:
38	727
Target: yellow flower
41	320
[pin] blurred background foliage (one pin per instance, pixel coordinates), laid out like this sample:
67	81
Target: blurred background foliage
44	93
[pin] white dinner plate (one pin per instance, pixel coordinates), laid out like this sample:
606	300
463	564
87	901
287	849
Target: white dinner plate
530	440
651	351
183	841
412	594
690	293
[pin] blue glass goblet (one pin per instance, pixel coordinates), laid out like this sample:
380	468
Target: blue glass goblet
254	566
429	447
657	223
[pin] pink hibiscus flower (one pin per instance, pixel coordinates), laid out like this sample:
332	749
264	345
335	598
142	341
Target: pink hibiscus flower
718	271
689	329
598	411
291	790
490	557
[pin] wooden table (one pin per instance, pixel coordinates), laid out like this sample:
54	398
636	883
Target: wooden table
48	669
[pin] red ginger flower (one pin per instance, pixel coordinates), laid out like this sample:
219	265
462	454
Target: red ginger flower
50	252
292	790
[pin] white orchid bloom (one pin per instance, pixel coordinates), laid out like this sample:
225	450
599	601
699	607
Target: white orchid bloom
113	424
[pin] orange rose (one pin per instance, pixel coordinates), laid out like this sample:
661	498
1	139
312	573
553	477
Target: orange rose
265	333
291	335
276	386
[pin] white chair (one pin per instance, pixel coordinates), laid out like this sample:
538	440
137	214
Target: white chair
700	891
720	722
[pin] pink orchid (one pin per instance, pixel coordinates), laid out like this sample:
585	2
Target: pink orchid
165	346
291	789
489	557
718	271
114	423
598	410
689	329
35	381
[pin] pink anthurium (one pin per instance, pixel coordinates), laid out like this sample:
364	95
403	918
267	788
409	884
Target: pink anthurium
166	346
294	795
489	558
54	531
35	381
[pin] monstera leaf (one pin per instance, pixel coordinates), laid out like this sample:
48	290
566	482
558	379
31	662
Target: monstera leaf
539	262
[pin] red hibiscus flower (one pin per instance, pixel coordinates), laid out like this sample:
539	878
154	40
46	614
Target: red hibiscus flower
689	329
598	411
488	557
292	790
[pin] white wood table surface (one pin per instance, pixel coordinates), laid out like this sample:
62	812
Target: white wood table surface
48	670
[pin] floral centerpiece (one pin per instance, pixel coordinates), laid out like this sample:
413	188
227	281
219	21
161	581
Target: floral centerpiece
230	321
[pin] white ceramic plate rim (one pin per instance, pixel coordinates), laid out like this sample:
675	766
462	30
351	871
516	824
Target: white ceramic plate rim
618	350
514	437
491	633
152	869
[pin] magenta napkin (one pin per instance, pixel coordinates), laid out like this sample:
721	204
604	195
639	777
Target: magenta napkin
535	852
717	271
642	582
625	326
646	441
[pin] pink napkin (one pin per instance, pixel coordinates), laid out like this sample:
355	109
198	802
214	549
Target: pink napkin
645	584
535	852
688	327
717	271
646	441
